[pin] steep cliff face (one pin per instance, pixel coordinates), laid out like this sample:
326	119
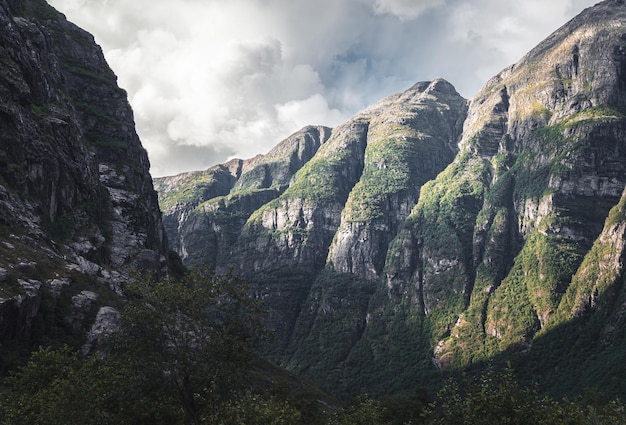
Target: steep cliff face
541	164
341	208
181	194
408	244
411	138
76	197
205	211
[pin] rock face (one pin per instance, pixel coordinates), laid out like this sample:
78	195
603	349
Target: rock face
338	208
205	210
542	162
424	235
411	138
76	196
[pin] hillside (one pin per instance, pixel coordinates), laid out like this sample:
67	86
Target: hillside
430	233
78	211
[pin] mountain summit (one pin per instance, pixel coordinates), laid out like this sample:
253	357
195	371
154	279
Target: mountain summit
426	234
429	232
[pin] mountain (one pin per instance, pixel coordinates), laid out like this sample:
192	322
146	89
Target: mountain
430	233
78	210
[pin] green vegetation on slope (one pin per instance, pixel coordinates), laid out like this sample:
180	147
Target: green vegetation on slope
325	333
194	188
393	166
387	172
330	175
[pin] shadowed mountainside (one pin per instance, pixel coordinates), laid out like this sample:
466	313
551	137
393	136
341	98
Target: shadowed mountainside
423	235
77	207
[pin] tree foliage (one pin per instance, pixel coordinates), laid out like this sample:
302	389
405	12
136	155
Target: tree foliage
181	354
184	356
497	398
189	341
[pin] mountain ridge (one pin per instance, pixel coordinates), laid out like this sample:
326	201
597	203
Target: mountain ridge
373	273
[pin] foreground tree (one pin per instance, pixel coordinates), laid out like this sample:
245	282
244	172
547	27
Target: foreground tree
182	354
497	398
61	387
189	342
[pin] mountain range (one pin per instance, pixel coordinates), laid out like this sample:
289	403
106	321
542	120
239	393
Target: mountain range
427	234
432	233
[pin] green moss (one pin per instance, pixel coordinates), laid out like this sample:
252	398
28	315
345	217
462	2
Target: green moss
532	176
387	172
531	183
394	353
597	272
192	189
273	173
617	215
538	110
39	9
96	111
510	314
334	319
533	288
332	173
596	113
317	181
444	222
557	143
326	179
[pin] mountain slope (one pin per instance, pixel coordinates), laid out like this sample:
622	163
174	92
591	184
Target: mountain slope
76	198
407	245
197	204
545	146
329	210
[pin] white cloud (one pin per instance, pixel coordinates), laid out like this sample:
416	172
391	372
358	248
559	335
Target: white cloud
212	79
405	9
311	111
505	31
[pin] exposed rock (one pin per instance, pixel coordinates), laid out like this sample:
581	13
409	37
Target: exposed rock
150	262
107	321
412	137
281	234
205	211
17	312
373	245
76	196
541	163
81	304
58	285
510	241
83	265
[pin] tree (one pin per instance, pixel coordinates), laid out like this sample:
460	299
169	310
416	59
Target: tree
497	398
58	387
189	342
254	409
182	354
360	411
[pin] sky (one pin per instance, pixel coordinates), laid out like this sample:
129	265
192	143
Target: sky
212	80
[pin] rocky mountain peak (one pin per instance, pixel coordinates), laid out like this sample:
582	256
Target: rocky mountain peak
429	232
426	233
